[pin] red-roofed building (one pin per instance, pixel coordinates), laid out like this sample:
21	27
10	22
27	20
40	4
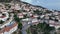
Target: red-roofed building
9	29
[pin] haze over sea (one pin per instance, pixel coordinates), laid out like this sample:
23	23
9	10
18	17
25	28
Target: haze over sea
50	4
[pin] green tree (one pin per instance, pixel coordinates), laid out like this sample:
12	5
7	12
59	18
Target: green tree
38	12
18	20
42	27
20	25
58	28
45	27
33	29
1	21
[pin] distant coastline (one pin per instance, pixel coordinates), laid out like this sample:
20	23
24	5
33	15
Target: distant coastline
48	6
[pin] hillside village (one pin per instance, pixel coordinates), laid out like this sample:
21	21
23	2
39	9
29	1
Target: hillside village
15	12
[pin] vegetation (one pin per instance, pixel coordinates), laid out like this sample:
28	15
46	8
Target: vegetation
47	11
41	27
18	20
45	27
58	28
38	12
34	29
38	18
28	31
5	0
1	21
20	25
26	16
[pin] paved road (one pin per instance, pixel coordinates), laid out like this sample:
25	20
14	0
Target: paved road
24	28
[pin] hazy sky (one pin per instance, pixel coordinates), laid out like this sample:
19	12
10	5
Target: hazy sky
50	4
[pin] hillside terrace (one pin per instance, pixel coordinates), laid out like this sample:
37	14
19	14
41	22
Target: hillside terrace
32	11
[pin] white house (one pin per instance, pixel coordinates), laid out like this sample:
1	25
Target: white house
4	18
20	15
17	7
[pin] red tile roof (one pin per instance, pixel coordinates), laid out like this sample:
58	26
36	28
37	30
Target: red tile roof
8	28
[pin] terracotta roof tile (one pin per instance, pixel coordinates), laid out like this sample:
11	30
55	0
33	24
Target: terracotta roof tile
7	28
